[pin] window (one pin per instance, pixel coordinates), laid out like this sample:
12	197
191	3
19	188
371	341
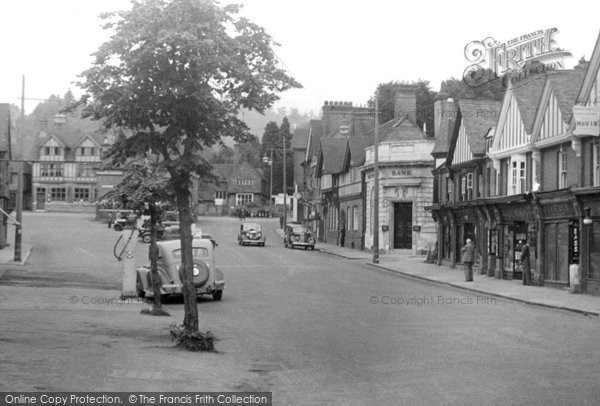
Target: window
47	151
84	171
81	194
562	168
596	163
353	175
355	220
244	198
449	186
244	182
56	151
58	194
220	194
469	186
51	170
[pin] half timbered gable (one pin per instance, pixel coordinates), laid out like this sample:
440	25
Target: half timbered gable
462	151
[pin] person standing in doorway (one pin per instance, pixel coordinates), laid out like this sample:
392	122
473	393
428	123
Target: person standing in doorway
525	262
468	257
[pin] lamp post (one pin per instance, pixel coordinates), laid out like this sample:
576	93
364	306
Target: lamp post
269	161
284	187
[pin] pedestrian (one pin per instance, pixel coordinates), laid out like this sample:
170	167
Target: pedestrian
109	219
281	221
525	263
468	256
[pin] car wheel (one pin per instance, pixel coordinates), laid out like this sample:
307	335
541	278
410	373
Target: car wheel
118	227
139	288
217	295
147	238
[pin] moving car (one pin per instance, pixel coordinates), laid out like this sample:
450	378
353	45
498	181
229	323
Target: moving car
208	278
298	235
251	233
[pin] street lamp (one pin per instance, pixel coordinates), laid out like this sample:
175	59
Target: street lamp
587	220
269	161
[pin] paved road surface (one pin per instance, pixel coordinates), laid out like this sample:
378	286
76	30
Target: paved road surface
313	329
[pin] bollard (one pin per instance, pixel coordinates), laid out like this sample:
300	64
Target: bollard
574	279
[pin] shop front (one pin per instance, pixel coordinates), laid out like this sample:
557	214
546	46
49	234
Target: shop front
589	202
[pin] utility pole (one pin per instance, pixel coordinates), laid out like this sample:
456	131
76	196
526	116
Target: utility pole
284	188
376	184
19	202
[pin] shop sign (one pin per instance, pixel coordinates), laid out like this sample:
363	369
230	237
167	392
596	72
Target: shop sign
557	210
587	120
574	244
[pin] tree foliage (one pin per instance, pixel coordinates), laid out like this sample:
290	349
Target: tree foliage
425	99
176	73
492	88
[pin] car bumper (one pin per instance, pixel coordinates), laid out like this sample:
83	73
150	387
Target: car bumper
175	289
249	241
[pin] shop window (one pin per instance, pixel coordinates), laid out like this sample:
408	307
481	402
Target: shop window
594	266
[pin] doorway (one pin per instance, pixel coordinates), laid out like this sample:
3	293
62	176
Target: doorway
402	225
40	198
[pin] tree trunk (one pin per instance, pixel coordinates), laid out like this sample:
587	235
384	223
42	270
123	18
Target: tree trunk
190	321
153	254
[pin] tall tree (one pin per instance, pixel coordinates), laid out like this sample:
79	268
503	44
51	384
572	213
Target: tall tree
491	87
145	188
176	73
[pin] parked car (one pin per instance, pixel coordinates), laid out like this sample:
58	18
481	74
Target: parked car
208	278
298	235
165	231
251	233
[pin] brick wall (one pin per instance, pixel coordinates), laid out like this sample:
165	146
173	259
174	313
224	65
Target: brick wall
572	173
586	157
549	170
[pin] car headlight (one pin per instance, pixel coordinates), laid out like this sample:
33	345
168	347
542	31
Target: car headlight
259	235
196	270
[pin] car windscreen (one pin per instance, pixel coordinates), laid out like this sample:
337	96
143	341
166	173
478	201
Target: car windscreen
251	227
299	230
197	252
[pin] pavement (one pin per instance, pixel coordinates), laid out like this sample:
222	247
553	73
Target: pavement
7	254
414	266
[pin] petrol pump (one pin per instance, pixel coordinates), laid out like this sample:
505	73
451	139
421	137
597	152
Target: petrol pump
124	251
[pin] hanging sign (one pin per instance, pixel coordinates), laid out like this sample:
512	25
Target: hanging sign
587	120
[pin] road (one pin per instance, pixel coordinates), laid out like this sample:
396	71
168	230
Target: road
311	328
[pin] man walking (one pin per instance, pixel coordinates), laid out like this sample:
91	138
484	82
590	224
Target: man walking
525	262
468	257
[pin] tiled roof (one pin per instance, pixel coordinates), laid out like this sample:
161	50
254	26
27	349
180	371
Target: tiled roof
334	152
300	138
403	129
223	171
316	133
4	125
357	149
441	138
528	93
566	85
69	137
478	116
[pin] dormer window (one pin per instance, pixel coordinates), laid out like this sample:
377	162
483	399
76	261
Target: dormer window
51	151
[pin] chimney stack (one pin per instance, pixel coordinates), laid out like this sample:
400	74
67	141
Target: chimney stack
444	110
405	101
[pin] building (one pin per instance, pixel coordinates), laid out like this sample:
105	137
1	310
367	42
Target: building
405	181
64	166
5	156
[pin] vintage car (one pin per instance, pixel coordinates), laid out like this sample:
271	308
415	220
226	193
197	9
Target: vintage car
297	235
208	278
251	233
166	231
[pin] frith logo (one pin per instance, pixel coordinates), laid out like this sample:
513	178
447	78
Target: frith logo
531	53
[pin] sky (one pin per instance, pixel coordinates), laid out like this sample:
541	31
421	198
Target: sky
338	50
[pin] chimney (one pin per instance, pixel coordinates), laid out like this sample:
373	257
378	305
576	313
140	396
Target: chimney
444	110
405	101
